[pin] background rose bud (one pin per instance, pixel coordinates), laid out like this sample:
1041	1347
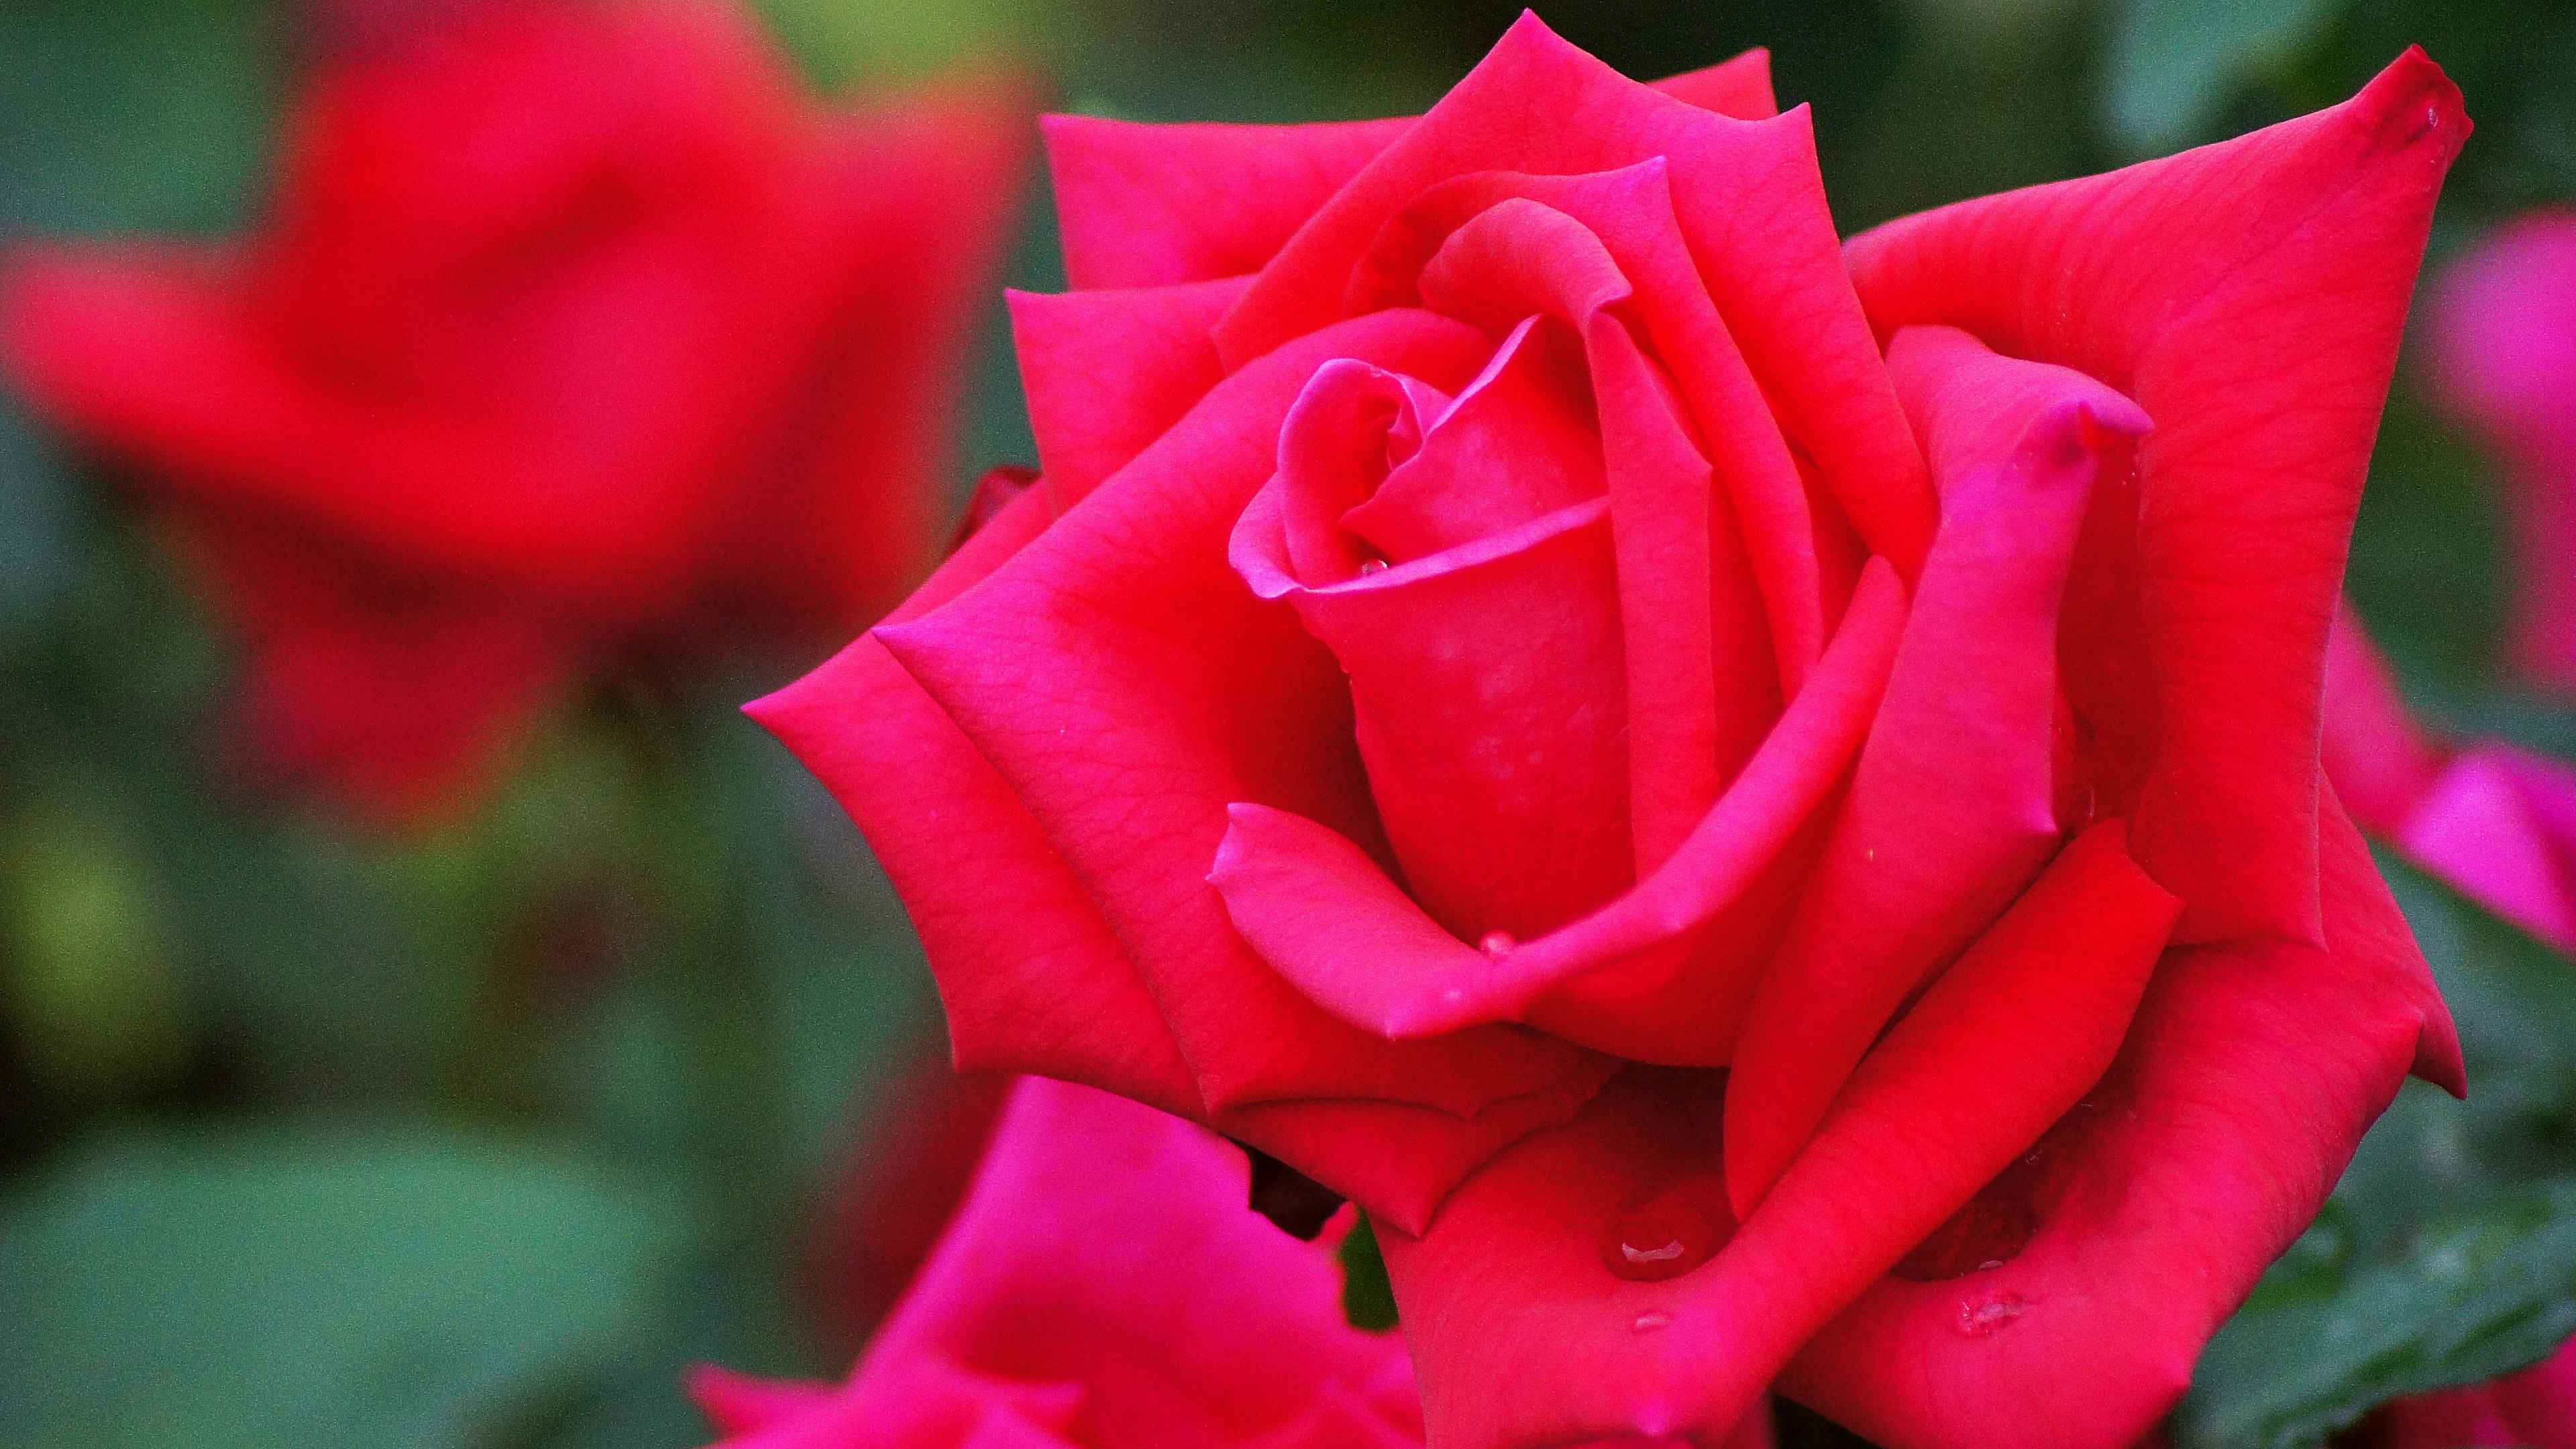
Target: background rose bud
1744	823
572	332
2503	358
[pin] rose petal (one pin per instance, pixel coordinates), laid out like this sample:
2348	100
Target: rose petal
1108	1246
2381	763
1091	420
1657	974
1763	528
2500	824
1951	808
1003	919
1738	87
1522	1334
1128	686
1400	1162
2249	295
2250	1073
1155	205
1750	203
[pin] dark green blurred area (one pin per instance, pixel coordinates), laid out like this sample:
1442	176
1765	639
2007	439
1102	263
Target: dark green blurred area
478	1138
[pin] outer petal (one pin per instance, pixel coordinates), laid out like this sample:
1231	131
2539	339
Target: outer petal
2249	296
2248	1078
2379	761
1951	807
1129	687
1106	1246
1108	372
1522	1334
1005	921
2504	358
1103	1284
1154	205
2500	824
1751	206
1738	87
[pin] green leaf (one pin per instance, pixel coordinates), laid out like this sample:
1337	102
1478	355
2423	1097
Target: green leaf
1368	1298
391	1287
2171	62
2471	1297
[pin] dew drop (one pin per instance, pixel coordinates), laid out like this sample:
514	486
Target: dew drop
1984	1317
1373	566
1495	943
1665	1237
1649	1322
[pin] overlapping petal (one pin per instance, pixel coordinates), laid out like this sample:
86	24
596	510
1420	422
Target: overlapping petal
1117	673
2245	1083
1524	1332
2249	296
1951	807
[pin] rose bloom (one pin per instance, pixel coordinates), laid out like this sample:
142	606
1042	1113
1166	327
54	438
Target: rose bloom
2503	359
573	334
1757	806
1104	1288
2496	821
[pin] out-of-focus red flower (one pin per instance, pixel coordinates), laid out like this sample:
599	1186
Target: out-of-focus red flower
572	332
2504	358
2534	1409
1105	1287
1754	801
2496	821
891	1201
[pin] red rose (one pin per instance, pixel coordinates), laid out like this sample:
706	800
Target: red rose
1750	844
573	331
2495	820
2503	355
1103	1288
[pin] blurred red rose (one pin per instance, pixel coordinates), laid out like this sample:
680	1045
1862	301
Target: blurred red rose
2533	1409
573	331
893	1197
1756	829
1104	1287
2503	355
2496	821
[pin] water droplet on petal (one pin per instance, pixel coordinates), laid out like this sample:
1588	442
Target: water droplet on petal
1983	1317
1990	1265
1372	566
1495	943
1649	1322
1667	1236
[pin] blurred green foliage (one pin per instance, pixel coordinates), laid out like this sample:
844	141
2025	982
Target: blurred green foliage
478	1138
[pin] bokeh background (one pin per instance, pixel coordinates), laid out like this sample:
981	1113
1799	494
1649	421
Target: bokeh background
478	1135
